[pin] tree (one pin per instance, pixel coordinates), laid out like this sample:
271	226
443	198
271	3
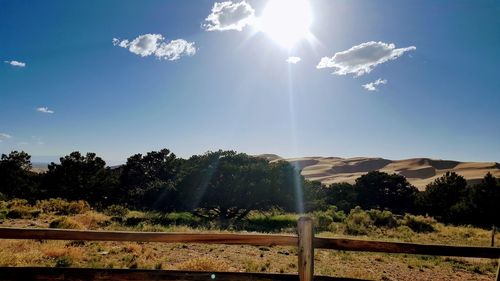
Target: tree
343	195
379	190
16	177
150	181
444	198
226	186
80	177
485	201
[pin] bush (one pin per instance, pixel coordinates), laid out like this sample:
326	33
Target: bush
383	218
22	212
323	220
62	207
65	223
268	223
116	211
358	222
419	224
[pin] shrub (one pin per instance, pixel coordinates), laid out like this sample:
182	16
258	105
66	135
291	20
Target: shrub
22	212
92	220
62	207
419	223
323	220
63	261
116	211
358	222
16	202
65	223
268	223
382	218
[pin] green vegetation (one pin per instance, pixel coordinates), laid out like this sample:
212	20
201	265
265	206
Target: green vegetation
224	188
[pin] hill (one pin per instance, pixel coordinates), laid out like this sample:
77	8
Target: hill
418	171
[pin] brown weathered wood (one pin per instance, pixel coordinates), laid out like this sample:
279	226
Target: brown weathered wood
79	274
251	239
306	249
406	248
498	270
89	235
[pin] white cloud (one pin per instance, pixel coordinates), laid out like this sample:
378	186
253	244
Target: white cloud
16	63
293	60
44	110
153	44
372	85
229	16
363	58
4	136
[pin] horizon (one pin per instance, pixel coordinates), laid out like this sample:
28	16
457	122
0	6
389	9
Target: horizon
327	78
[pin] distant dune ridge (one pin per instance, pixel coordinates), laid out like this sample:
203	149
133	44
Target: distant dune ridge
418	171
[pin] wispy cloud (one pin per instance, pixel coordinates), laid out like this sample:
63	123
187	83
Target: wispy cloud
229	16
16	63
4	136
372	85
153	44
45	110
293	60
363	58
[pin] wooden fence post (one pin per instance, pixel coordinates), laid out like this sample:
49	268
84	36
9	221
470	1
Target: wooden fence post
306	249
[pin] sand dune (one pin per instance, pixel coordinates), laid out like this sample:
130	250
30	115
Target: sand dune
418	171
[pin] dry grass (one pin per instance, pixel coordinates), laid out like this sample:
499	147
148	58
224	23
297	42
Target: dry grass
249	258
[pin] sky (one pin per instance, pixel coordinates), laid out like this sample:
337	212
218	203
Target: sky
393	79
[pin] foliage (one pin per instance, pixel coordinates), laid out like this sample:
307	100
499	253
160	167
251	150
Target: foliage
419	224
149	181
16	178
79	177
116	211
378	190
358	222
226	186
65	223
383	218
62	207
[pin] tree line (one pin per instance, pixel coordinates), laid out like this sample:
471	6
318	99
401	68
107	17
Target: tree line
226	186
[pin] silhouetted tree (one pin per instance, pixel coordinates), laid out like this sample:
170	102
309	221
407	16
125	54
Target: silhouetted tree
149	181
444	198
80	177
484	201
378	190
16	177
226	186
343	195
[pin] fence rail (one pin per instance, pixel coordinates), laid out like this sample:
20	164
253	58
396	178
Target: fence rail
305	241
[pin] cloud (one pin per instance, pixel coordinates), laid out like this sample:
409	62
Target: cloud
371	86
16	63
44	110
229	16
4	136
363	58
153	44
293	60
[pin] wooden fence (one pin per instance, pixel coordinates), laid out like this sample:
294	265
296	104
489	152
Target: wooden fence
305	241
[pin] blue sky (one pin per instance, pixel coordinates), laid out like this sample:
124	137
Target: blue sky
79	91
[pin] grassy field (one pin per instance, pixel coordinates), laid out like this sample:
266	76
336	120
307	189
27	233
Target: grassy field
359	224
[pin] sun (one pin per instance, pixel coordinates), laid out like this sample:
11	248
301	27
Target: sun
286	21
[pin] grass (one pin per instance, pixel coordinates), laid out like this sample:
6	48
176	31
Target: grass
378	226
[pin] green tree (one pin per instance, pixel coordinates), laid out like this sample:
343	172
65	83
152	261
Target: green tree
80	177
445	197
379	190
16	177
149	181
343	195
485	201
226	185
